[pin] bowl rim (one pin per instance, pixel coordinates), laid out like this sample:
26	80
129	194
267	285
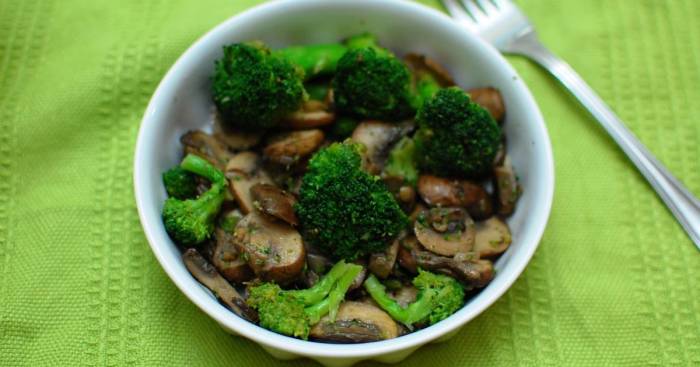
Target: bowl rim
273	340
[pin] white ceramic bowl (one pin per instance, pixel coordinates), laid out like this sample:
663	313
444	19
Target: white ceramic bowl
183	102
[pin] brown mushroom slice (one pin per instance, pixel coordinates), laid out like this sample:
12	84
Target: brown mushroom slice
275	202
206	146
445	231
381	264
466	267
273	249
206	274
404	194
289	147
506	187
421	64
227	259
492	237
490	99
438	191
312	114
356	322
378	137
244	170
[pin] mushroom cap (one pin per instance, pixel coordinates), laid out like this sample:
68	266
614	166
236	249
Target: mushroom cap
448	242
273	249
356	322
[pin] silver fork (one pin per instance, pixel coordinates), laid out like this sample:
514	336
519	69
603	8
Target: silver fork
502	24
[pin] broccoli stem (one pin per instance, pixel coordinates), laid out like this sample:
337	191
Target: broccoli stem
202	167
415	312
315	60
331	303
426	87
319	291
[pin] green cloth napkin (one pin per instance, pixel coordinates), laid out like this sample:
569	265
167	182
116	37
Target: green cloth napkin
614	282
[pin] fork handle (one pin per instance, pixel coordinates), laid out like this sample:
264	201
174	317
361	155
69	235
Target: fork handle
684	206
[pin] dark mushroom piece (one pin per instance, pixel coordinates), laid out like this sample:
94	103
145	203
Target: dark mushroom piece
466	267
405	257
490	99
492	237
507	188
381	264
206	274
273	249
312	114
290	147
438	191
445	231
378	138
273	201
206	146
404	193
423	64
227	260
244	170
356	322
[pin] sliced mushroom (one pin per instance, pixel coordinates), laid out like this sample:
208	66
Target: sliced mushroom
422	64
378	137
490	99
275	202
381	264
235	139
506	187
312	114
273	249
492	237
207	147
206	274
445	231
438	191
289	147
466	267
356	322
227	259
244	170
405	256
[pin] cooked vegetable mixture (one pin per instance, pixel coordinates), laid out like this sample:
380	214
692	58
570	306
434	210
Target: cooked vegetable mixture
345	194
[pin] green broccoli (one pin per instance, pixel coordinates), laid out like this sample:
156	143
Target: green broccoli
425	88
191	221
371	83
439	296
456	136
294	312
344	211
402	161
254	88
316	60
180	184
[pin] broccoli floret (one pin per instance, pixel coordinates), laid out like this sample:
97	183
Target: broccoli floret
402	161
253	88
180	184
191	221
439	296
344	211
456	136
371	83
315	60
294	312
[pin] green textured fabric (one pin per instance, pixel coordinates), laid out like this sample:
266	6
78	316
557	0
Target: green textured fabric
614	282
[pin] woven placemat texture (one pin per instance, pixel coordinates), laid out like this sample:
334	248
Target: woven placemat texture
614	282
